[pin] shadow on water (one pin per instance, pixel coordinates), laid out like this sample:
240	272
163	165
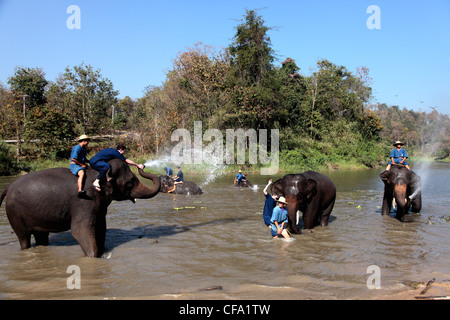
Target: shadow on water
117	237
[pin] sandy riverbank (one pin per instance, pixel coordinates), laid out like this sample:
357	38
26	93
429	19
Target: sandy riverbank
437	290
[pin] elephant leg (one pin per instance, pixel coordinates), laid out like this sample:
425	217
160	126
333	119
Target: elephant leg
24	239
41	238
310	216
21	231
326	214
100	233
387	203
292	208
84	232
416	203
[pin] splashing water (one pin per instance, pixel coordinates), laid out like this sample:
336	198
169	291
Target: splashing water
212	165
215	165
158	163
422	170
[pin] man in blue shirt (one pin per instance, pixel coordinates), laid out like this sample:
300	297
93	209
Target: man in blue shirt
269	204
100	163
279	220
169	171
177	180
398	156
238	178
78	162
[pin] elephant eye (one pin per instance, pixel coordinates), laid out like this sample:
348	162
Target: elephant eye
129	185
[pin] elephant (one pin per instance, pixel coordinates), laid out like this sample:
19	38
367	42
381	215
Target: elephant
404	186
46	201
244	184
187	187
310	192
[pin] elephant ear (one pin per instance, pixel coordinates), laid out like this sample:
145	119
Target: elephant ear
277	188
311	188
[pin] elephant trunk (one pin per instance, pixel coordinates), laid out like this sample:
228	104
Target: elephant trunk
142	192
400	195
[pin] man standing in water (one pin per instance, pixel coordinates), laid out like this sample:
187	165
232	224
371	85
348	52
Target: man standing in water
269	204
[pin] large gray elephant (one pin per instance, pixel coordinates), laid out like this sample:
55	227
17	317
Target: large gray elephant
404	186
310	192
46	201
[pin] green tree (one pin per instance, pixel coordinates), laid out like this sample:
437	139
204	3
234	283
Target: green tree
31	83
52	131
92	98
251	52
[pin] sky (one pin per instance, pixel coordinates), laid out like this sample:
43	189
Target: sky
134	43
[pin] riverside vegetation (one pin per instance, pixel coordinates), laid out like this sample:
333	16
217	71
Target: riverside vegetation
325	118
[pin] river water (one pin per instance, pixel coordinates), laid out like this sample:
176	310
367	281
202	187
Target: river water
219	248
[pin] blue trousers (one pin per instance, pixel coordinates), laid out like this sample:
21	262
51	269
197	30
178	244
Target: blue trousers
102	167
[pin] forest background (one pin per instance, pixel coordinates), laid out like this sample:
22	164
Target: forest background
326	118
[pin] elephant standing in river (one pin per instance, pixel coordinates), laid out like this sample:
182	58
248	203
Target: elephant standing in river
187	187
404	186
310	192
46	201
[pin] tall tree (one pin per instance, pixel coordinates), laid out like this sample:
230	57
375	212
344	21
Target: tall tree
251	52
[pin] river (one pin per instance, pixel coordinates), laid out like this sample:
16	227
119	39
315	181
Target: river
219	248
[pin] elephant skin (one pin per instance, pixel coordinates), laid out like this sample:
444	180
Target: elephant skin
244	184
46	201
310	192
187	187
404	186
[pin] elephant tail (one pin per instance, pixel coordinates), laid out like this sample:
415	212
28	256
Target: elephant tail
3	196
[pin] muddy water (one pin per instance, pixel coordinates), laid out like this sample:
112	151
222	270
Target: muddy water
219	248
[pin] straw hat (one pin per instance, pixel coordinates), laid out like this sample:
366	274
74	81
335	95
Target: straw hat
398	142
282	200
84	137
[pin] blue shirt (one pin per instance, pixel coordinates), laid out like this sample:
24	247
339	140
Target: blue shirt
279	215
78	153
106	155
398	155
239	177
169	171
180	176
268	209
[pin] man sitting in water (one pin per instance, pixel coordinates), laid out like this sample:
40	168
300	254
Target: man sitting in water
279	220
238	178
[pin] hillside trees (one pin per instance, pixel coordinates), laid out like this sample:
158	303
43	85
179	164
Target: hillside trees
323	115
